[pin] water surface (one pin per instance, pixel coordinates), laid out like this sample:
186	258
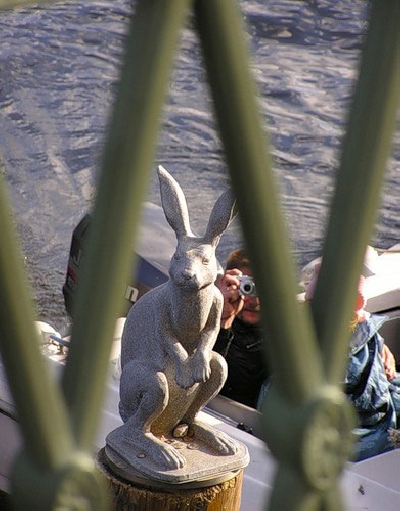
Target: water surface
58	68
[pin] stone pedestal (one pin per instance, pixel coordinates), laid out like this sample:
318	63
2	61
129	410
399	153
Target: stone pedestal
140	494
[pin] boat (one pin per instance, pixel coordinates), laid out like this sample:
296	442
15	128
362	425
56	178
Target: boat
369	484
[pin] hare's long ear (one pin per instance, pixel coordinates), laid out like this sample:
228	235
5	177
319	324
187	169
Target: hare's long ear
223	212
174	204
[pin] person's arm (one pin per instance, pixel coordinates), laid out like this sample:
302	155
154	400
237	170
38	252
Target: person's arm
228	284
388	362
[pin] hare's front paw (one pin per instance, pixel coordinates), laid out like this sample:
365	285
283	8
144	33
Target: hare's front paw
201	367
194	370
184	377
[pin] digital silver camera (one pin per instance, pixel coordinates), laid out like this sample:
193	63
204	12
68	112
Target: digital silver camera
247	286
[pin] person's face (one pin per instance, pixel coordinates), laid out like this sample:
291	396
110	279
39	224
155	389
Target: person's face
251	308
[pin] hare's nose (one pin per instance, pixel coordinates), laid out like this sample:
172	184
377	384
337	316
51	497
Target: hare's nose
187	275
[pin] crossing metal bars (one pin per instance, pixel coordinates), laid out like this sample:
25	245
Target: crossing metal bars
307	420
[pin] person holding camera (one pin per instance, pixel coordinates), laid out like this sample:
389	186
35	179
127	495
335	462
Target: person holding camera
240	337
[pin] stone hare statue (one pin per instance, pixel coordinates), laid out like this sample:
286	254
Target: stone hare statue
169	371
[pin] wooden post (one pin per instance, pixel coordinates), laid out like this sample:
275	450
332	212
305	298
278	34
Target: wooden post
128	496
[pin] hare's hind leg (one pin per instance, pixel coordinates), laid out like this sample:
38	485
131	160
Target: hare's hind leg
143	394
206	391
143	397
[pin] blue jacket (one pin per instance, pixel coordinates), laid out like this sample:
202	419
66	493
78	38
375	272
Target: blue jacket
376	400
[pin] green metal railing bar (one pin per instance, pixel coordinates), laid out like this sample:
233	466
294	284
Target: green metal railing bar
294	354
359	182
43	419
359	185
127	162
49	472
226	58
41	411
307	412
306	402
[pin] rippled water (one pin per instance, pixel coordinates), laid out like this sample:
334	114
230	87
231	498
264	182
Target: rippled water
58	68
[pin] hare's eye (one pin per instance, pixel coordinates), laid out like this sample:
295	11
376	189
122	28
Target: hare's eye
206	260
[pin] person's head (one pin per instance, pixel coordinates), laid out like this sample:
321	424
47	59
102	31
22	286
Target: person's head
360	314
251	309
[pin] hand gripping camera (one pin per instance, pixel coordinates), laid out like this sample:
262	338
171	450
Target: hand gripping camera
247	286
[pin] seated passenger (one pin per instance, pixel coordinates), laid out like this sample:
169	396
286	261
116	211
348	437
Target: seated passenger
369	380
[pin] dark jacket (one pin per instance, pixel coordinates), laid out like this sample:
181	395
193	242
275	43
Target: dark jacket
241	346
